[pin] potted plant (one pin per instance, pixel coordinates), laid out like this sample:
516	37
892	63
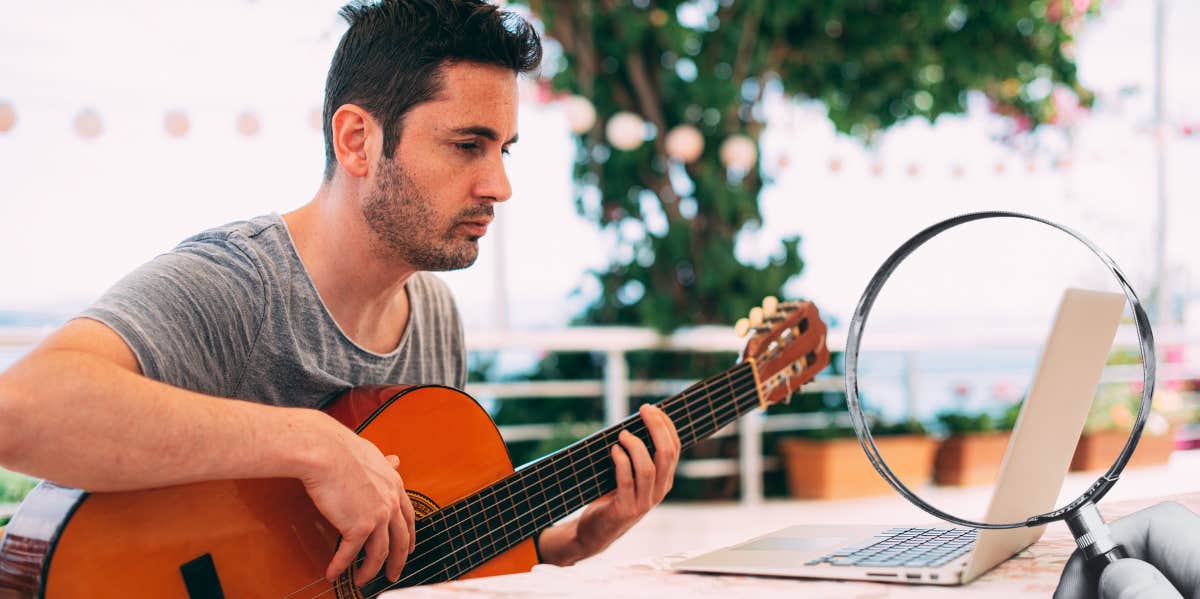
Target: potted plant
974	446
1111	418
827	462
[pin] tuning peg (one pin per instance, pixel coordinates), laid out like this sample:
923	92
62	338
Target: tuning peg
756	317
742	327
789	306
770	305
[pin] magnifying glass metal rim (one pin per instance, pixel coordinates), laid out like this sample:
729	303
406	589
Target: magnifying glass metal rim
854	338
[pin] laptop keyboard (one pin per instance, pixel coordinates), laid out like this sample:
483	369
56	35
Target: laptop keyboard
913	547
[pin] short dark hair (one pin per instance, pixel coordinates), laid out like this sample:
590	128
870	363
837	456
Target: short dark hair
390	59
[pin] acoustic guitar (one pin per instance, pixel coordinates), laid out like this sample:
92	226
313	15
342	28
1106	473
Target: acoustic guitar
476	516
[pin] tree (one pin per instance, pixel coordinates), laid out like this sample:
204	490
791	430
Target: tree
705	65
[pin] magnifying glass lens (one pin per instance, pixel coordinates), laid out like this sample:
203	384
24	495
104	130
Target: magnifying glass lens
994	346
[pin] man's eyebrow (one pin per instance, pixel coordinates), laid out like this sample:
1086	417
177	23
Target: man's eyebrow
483	131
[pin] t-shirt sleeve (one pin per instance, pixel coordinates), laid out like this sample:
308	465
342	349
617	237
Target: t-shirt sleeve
190	316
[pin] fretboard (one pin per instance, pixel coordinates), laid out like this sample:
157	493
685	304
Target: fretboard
463	535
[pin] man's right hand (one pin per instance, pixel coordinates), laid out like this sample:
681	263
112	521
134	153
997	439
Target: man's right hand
1163	542
358	490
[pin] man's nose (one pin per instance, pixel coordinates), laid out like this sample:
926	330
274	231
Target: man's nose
495	185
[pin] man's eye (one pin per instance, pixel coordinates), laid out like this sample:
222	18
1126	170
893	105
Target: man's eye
506	151
468	146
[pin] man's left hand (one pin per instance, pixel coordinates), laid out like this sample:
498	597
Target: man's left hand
642	482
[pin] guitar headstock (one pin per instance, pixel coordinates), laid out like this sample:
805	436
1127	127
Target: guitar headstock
787	348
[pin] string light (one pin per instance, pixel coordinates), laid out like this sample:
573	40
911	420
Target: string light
248	124
176	124
88	124
626	131
8	117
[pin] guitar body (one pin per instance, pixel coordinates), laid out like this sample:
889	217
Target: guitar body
255	538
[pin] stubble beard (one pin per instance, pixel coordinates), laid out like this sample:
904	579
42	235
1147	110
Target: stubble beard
406	227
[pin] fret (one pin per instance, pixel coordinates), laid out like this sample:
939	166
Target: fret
734	401
597	461
494	520
491	534
474	556
522	506
504	502
510	519
438	539
491	519
559	490
690	425
712	412
544	518
454	533
571	497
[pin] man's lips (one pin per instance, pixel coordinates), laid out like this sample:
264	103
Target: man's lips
475	228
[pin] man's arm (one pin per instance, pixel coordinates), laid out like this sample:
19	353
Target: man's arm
77	411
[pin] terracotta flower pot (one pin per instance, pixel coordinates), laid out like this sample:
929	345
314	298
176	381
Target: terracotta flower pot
838	468
970	459
1097	450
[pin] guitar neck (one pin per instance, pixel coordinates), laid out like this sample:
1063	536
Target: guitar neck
541	493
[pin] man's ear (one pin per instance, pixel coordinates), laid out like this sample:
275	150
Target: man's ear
357	139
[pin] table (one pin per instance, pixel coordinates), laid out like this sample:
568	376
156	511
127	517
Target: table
1032	573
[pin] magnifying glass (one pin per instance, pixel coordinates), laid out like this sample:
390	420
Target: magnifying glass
1089	529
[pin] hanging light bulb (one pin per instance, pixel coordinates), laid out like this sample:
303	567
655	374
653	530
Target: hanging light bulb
248	124
738	152
685	143
88	124
8	117
176	124
626	131
581	115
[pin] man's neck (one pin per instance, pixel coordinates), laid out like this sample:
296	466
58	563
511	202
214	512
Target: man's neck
364	293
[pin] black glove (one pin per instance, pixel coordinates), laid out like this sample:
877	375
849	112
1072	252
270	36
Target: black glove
1163	542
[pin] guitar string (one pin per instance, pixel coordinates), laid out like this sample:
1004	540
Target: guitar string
478	502
735	406
690	426
632	420
593	479
675	402
669	405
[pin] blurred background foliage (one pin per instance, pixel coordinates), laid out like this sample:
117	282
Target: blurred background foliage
700	70
709	64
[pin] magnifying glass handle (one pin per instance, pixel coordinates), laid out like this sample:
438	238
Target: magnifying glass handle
1094	539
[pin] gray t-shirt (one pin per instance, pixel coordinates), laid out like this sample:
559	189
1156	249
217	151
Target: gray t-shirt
232	312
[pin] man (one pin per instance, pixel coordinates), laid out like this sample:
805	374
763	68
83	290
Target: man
420	107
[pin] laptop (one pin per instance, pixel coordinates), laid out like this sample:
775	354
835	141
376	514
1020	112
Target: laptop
1030	478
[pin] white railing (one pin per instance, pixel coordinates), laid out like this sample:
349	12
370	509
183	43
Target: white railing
616	389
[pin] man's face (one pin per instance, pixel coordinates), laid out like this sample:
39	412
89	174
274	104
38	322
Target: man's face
431	203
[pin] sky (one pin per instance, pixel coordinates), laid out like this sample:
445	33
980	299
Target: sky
76	214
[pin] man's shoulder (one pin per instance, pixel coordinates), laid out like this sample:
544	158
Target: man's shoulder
265	228
260	240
